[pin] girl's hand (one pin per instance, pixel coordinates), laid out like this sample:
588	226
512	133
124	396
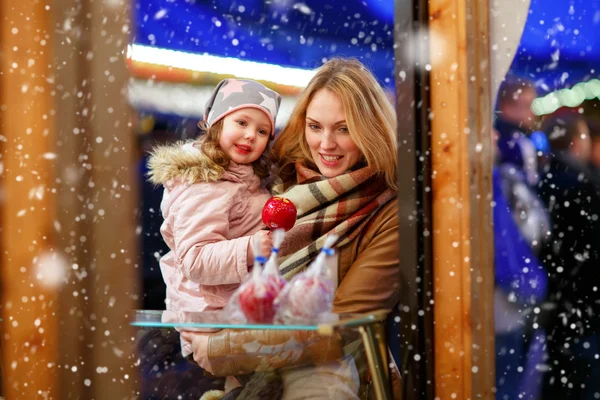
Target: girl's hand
264	241
199	343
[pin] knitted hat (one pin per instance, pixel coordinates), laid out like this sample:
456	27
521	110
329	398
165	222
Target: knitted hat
231	95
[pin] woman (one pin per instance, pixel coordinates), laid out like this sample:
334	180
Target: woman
337	163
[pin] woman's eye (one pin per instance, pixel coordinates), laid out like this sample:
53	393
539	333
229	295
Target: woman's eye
344	129
313	127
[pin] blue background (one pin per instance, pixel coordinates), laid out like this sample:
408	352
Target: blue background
283	32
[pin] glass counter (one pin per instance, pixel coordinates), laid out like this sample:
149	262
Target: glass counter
167	374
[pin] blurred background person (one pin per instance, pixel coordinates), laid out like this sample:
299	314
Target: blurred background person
569	137
571	144
521	226
517	165
513	106
594	164
542	147
572	259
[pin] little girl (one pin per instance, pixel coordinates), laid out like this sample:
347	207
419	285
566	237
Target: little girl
213	197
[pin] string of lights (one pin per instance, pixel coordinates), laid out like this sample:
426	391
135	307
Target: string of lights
572	97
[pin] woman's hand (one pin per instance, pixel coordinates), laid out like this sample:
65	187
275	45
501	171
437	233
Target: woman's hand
199	343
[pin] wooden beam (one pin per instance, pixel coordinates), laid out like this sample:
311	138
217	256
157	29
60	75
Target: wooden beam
97	189
414	181
69	274
73	162
31	267
2	149
462	219
113	262
481	151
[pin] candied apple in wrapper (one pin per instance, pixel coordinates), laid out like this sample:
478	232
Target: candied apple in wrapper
309	297
309	294
256	296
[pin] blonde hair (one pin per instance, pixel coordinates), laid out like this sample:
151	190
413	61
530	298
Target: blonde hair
218	160
369	114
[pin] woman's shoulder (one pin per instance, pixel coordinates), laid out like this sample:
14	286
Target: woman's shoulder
384	222
181	162
387	214
390	208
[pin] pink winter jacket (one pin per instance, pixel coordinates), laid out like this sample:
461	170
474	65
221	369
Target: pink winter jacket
207	226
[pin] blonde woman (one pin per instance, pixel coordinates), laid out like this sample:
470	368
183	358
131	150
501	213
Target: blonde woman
337	162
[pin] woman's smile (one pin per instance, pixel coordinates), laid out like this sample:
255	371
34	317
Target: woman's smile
330	160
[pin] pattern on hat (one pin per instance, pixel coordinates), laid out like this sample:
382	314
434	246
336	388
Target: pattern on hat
233	94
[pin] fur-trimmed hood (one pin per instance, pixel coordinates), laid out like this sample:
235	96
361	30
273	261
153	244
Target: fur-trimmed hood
182	161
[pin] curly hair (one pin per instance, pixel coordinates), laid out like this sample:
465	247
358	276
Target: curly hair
209	145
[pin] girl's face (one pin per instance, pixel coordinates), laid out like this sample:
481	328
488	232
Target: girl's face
245	135
331	146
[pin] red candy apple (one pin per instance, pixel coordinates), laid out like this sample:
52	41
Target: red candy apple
256	299
279	212
310	296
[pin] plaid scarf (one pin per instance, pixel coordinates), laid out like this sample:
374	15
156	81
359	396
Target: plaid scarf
340	205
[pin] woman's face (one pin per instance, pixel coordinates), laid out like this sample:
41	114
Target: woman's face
327	135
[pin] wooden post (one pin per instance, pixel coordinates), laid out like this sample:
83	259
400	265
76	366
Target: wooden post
113	262
414	184
31	267
69	271
97	188
462	219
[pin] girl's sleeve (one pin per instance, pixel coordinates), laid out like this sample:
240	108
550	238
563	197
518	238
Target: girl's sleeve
200	225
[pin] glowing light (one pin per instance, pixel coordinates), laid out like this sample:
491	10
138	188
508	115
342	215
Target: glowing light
220	65
592	89
566	97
